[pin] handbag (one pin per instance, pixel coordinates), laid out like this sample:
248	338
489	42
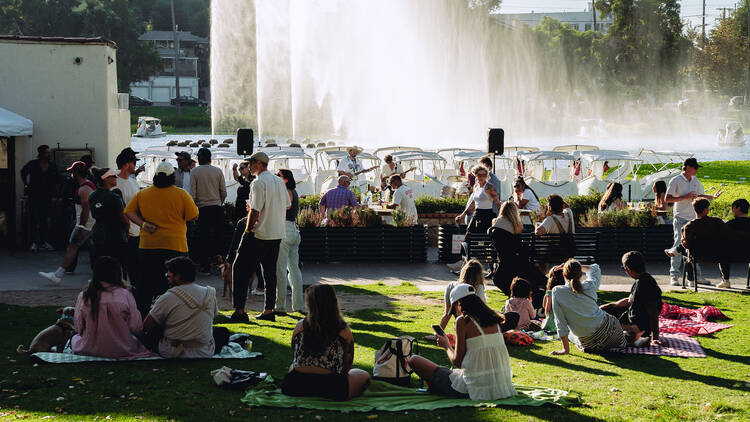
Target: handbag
391	361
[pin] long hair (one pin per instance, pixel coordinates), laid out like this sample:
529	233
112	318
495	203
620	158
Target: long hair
472	273
509	211
522	182
573	272
161	180
555	278
324	321
289	176
106	270
475	308
614	191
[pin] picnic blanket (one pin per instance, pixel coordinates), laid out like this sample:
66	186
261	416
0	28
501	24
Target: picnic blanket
677	345
382	396
692	322
230	351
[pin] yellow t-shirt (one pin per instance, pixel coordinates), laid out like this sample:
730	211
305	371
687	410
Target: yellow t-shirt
169	209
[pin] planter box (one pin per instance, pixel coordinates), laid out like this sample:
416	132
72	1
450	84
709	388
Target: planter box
445	242
384	243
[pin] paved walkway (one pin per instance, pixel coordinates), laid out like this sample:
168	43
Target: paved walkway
19	273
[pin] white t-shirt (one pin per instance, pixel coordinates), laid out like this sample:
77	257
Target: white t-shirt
482	201
183	322
533	203
186	182
566	221
350	166
404	198
129	187
387	172
268	195
680	186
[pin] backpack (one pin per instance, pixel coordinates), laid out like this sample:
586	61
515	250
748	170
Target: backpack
391	361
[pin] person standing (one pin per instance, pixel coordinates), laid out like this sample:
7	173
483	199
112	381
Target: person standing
403	198
269	200
129	187
389	169
84	222
289	252
242	176
486	161
481	202
209	191
182	175
681	191
39	177
109	234
162	212
350	165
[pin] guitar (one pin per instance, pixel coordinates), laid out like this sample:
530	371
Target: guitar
384	179
356	173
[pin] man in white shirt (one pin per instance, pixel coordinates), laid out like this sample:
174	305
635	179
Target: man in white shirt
681	191
561	219
389	169
182	175
129	187
350	165
403	198
265	229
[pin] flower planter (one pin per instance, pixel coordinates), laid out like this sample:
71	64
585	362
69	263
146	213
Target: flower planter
384	243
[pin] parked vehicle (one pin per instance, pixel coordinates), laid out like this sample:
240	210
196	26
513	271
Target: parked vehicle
189	100
140	101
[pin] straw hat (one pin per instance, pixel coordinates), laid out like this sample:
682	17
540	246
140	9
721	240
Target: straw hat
354	148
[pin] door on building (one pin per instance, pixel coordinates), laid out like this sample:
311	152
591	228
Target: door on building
7	192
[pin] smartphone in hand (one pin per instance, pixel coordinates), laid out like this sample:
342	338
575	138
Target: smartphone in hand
438	330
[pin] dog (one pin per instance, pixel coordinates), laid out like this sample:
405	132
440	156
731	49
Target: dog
225	271
55	335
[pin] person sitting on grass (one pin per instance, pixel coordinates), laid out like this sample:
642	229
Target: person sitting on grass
106	316
639	312
554	278
323	352
520	302
577	314
472	274
180	322
483	370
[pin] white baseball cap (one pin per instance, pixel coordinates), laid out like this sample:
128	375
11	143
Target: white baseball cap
166	168
461	291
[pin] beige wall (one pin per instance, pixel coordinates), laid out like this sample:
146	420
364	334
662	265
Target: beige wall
73	104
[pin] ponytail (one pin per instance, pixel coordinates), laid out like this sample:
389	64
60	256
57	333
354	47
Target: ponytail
572	272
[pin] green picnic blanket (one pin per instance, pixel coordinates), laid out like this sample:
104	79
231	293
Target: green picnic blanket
383	396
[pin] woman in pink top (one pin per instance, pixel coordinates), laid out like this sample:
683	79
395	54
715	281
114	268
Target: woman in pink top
520	302
106	316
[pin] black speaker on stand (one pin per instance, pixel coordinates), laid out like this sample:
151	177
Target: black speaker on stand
495	146
245	141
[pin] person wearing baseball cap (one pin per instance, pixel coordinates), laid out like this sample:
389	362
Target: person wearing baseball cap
681	191
84	222
128	186
184	164
209	190
109	235
260	244
479	355
162	212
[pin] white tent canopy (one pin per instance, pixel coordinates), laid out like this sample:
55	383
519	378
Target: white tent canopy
11	124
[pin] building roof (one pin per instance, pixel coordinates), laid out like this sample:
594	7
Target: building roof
169	36
57	40
560	16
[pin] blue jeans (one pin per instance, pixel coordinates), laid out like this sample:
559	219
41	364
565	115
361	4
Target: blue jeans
675	270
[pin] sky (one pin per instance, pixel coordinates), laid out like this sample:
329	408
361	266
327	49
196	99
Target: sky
691	9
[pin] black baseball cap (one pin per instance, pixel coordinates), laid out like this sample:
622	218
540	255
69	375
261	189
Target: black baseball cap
129	153
691	162
184	154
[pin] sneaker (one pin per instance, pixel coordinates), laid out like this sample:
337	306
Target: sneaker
33	248
724	285
239	318
702	280
266	317
674	281
259	292
47	247
671	252
456	265
51	277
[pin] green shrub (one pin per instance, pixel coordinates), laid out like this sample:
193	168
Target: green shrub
309	217
620	218
342	217
430	205
580	204
400	219
367	217
309	201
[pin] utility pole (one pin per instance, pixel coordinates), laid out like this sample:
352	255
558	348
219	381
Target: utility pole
593	10
703	24
747	88
176	61
723	11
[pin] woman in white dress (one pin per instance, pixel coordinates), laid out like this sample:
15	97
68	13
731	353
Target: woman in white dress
483	370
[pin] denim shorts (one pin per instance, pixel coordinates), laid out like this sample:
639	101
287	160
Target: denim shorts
440	383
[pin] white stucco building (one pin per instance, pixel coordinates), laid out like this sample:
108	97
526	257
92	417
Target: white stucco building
68	88
582	21
191	65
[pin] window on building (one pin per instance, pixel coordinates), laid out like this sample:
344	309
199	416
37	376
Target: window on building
588	27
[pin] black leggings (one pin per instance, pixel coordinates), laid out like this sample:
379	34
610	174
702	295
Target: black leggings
481	221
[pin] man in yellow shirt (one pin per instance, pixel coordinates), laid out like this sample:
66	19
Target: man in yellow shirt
161	211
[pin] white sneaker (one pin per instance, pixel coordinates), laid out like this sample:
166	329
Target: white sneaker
671	252
724	285
33	248
51	277
456	265
47	247
674	281
259	292
702	280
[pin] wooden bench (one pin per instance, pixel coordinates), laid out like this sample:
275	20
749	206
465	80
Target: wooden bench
548	248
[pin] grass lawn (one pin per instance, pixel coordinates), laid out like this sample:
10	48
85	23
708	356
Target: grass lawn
615	387
192	120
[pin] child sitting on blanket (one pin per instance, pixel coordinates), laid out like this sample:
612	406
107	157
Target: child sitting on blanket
520	302
554	278
639	312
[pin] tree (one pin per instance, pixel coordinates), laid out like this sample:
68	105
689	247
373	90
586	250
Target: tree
721	63
191	15
115	20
